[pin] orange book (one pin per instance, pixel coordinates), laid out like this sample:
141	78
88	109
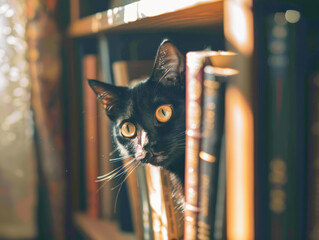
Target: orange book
89	68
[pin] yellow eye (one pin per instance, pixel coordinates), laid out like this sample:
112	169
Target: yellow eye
128	130
164	113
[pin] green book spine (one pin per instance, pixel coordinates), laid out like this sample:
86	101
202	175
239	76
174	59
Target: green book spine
212	131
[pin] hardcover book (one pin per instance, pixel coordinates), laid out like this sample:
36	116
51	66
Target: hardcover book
89	66
281	139
194	80
195	64
210	151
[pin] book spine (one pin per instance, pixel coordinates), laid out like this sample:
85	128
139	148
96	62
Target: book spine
134	200
145	204
105	59
313	140
154	186
194	80
282	129
220	208
172	226
277	167
212	130
89	66
313	153
121	74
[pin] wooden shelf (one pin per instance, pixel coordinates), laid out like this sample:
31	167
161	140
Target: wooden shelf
97	229
150	15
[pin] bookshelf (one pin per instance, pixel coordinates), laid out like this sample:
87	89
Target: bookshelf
158	16
144	16
250	104
99	229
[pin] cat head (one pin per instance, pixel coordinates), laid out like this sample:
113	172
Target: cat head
149	118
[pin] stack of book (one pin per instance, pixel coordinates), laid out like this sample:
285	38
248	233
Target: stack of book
207	74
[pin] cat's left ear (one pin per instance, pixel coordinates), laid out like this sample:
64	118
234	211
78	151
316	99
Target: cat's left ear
169	66
110	96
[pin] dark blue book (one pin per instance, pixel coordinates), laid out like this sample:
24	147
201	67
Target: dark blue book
210	153
281	187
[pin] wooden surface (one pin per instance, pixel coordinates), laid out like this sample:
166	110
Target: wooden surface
150	15
97	229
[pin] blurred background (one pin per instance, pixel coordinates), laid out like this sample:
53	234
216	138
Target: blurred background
47	50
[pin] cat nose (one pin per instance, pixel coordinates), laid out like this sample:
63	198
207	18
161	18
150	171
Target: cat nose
149	149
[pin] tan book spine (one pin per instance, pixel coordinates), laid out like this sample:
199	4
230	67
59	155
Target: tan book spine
89	66
194	79
172	225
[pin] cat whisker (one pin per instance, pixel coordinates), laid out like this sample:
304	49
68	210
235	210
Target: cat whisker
120	185
114	151
114	172
180	134
99	189
120	158
131	169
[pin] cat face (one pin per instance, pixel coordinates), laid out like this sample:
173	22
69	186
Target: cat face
149	118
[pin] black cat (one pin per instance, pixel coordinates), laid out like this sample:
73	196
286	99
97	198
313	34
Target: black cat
148	120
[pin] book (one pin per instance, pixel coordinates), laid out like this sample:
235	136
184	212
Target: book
134	200
220	209
194	80
281	122
165	221
313	139
91	145
105	59
146	211
195	63
210	149
313	154
239	122
173	215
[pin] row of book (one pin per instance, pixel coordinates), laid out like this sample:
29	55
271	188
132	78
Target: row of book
270	189
207	74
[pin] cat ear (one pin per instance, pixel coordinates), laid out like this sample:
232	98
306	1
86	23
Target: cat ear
169	66
109	95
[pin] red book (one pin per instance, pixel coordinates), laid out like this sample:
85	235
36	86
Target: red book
194	80
89	68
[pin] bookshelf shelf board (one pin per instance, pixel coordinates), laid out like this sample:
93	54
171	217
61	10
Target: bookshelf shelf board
151	15
97	229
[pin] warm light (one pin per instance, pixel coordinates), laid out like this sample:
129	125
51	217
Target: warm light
162	206
239	167
221	71
238	26
279	32
280	18
292	16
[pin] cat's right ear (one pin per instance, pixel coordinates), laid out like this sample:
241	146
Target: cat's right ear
109	95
